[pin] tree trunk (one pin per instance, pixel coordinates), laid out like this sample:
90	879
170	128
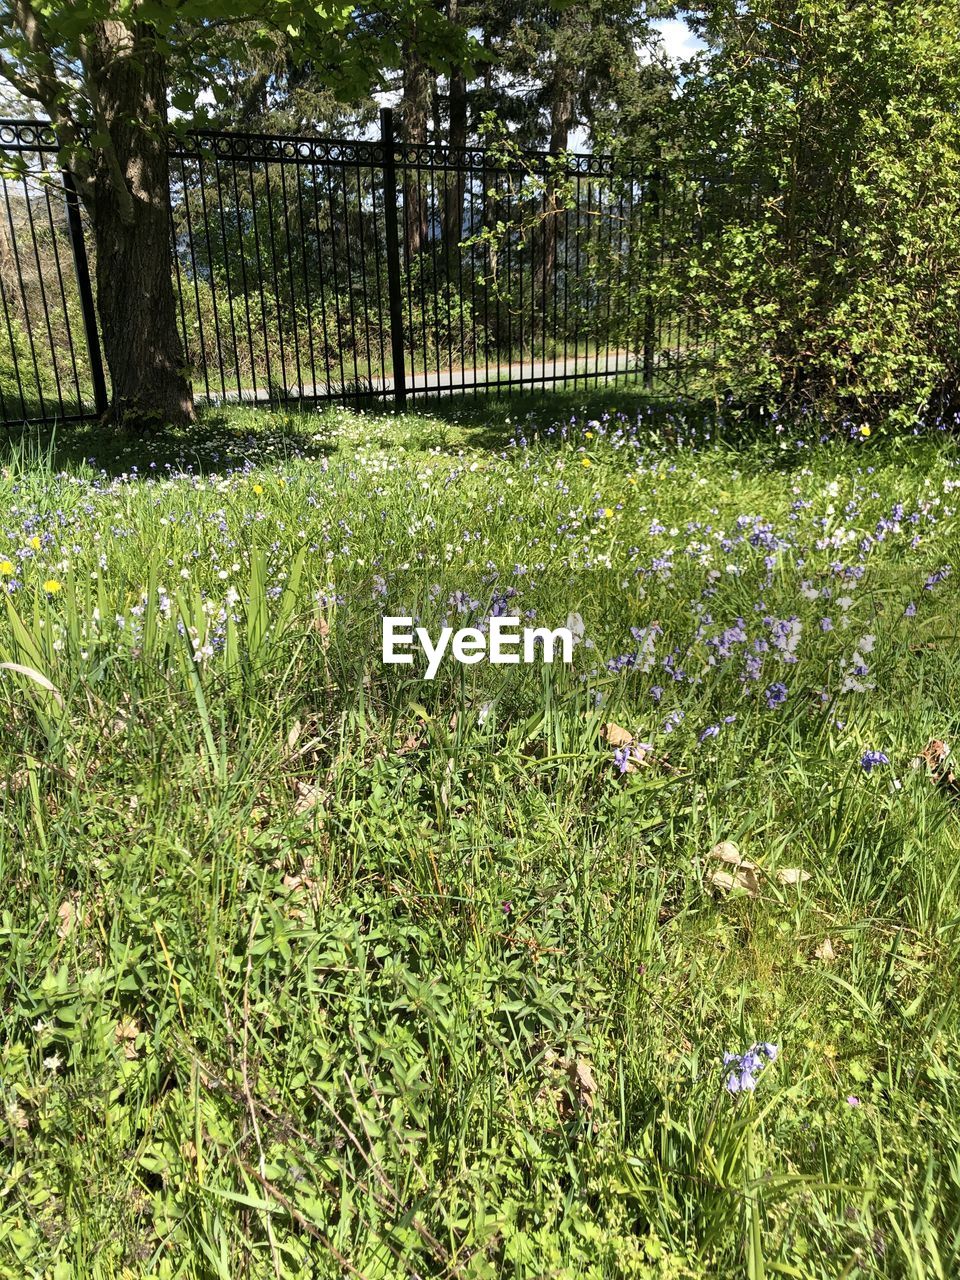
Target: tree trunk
127	196
418	84
455	188
562	109
453	196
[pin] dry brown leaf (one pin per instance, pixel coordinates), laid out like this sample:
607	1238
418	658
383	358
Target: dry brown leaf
582	1082
935	755
825	951
293	737
615	736
618	737
792	875
744	877
67	915
15	782
726	851
412	742
301	881
125	1033
308	796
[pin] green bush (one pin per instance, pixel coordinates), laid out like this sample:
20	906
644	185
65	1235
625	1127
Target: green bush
826	271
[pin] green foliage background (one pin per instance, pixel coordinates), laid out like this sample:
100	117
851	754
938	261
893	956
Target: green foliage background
827	272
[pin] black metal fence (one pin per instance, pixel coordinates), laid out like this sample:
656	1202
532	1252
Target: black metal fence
309	270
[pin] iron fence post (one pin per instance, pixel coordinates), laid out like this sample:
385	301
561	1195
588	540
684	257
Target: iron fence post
653	259
394	283
79	249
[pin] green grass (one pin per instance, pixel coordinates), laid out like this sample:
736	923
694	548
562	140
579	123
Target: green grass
310	967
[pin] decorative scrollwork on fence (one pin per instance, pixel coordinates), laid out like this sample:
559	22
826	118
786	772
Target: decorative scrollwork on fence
274	148
27	135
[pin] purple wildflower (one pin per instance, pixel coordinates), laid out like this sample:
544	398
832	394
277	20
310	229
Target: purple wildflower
743	1068
870	760
776	695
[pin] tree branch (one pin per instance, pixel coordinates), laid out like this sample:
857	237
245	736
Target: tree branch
45	72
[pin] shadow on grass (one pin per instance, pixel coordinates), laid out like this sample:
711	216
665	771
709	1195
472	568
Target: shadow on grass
233	438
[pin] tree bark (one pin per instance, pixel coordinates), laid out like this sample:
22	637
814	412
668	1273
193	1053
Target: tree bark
453	196
563	101
457	137
418	85
127	196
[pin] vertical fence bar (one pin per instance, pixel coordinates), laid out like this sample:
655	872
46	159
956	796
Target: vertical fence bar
392	238
653	261
82	268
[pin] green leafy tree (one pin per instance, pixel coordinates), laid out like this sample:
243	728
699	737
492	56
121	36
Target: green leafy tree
104	72
830	229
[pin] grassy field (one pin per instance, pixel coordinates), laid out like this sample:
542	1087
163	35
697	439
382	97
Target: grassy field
311	967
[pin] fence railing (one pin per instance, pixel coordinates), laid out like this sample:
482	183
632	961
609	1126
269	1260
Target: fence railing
309	270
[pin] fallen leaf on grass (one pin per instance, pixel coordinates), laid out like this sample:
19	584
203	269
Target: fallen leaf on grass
792	875
745	877
935	755
125	1033
15	782
67	915
412	742
618	738
726	851
308	797
615	736
301	881
582	1082
825	951
743	874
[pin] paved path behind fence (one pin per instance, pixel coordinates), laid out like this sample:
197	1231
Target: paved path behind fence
518	376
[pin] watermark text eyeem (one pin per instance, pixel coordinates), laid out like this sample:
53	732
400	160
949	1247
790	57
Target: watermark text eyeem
504	643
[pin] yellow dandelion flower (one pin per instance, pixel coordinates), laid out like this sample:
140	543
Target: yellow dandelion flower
864	430
588	435
7	567
51	586
608	512
585	462
258	488
632	479
35	543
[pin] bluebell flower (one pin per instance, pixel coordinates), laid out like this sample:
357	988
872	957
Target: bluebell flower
870	760
742	1069
776	695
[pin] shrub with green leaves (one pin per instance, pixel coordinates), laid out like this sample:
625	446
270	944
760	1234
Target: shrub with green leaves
825	269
